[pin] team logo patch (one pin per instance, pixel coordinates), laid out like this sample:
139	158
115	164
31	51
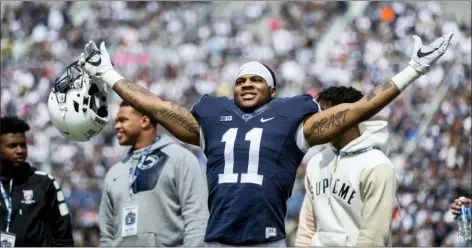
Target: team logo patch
246	117
226	118
28	197
266	120
130	218
270	232
150	162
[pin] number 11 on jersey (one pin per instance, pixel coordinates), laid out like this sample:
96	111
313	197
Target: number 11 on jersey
229	138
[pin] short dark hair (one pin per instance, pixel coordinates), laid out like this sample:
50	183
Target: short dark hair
272	74
337	95
126	104
13	124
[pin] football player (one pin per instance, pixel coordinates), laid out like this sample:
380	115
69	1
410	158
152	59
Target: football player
255	142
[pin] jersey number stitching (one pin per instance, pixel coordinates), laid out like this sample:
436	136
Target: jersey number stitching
229	138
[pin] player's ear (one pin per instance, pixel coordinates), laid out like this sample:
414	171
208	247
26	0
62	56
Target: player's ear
145	122
273	92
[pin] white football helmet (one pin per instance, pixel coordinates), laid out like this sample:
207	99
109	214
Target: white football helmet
78	105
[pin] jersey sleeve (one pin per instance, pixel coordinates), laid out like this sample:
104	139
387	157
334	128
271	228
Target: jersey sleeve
298	106
207	107
199	109
300	139
309	105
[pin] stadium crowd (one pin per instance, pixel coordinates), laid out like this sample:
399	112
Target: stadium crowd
180	51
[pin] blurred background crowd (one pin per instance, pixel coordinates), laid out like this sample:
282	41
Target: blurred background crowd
183	50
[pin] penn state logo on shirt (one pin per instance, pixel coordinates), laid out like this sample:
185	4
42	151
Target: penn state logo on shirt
27	197
130	218
226	118
6	243
247	117
150	161
150	172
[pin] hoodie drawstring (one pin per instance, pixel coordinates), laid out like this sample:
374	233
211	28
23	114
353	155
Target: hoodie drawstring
340	154
333	171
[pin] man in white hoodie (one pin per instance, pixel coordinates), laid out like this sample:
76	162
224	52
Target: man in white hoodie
350	186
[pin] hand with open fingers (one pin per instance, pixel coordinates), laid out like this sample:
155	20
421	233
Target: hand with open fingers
456	205
98	64
425	56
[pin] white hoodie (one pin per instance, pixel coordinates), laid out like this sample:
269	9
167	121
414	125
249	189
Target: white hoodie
350	198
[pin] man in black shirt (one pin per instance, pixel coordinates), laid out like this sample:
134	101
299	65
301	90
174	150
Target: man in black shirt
32	207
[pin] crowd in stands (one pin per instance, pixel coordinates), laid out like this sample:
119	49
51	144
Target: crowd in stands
181	51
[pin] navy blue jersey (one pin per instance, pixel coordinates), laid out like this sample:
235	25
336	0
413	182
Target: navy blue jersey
252	162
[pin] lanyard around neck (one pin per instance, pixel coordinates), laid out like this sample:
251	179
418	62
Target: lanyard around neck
137	171
8	202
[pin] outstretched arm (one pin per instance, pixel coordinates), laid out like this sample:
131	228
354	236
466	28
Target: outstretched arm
176	119
325	126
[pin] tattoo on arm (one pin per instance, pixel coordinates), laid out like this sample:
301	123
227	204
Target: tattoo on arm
136	88
326	123
387	85
133	93
370	96
178	116
384	86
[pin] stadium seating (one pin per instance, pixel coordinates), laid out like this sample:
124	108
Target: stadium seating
183	50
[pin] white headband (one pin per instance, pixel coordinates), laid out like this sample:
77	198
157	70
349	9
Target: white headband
255	68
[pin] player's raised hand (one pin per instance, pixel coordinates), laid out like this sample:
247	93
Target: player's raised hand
97	63
424	56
